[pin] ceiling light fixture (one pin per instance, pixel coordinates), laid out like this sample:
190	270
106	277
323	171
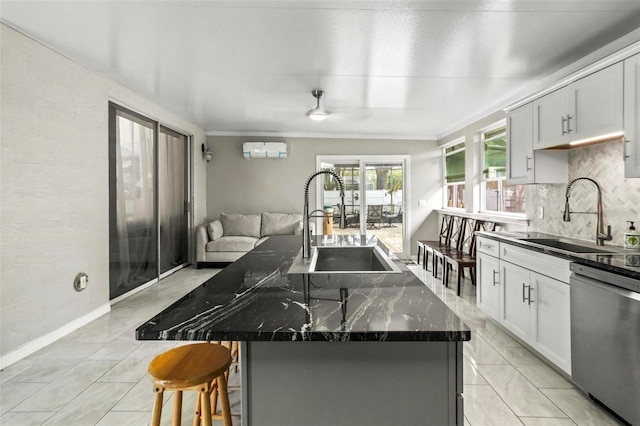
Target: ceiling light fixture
317	113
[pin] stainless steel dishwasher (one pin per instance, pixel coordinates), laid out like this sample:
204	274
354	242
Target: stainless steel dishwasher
605	338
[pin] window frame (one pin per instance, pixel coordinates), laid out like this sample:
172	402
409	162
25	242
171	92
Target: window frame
501	180
456	185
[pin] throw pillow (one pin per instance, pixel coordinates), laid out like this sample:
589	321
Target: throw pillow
279	223
215	230
239	224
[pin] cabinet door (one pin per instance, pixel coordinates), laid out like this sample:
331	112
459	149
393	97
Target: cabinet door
514	308
632	117
550	320
550	118
598	104
488	289
520	145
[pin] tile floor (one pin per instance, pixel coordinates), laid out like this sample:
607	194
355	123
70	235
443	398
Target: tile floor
97	375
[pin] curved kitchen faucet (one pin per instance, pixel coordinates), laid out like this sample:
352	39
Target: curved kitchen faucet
601	237
306	234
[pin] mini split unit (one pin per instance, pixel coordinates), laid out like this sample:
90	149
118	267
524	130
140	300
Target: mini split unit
264	149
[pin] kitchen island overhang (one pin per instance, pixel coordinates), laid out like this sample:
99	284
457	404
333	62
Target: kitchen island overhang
376	348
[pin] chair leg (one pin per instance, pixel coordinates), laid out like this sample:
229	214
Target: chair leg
459	279
472	272
434	265
224	401
204	394
157	406
177	408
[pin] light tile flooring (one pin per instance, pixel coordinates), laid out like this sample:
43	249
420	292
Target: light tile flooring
97	375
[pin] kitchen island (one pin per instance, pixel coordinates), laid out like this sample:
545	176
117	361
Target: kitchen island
327	348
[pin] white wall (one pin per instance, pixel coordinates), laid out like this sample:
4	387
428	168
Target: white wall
238	185
54	193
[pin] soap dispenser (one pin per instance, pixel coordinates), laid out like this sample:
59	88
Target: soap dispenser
632	238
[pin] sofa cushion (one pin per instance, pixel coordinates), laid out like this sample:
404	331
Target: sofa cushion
241	225
214	229
279	224
232	243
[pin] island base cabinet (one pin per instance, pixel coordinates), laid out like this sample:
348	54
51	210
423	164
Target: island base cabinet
352	383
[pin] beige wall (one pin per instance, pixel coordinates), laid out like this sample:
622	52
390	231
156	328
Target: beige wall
238	185
54	194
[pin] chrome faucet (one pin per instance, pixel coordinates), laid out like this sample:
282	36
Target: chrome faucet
601	237
306	233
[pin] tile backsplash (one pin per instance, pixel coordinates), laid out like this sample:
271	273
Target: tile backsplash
620	197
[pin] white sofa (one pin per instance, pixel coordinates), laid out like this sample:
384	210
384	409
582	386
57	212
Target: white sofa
225	240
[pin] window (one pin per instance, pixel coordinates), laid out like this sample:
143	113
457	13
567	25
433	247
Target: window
454	175
497	196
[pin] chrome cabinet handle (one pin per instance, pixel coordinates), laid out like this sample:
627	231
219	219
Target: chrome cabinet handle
624	149
494	277
564	120
524	298
489	246
569	123
528	159
529	298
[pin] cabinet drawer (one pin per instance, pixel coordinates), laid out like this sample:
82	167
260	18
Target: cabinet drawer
545	264
488	246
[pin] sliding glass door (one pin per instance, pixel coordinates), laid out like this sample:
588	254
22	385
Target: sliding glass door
148	194
172	199
374	197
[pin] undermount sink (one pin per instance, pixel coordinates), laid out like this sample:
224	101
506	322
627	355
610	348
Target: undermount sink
344	260
561	245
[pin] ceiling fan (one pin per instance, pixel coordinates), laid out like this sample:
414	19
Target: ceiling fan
317	113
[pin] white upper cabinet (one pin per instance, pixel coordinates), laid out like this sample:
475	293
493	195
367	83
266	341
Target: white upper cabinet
524	165
632	117
589	107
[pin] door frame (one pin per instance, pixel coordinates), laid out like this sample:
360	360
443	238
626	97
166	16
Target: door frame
363	161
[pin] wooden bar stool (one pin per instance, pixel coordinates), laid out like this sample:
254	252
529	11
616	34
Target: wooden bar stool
192	367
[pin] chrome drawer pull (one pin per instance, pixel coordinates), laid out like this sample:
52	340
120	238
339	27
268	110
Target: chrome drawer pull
494	277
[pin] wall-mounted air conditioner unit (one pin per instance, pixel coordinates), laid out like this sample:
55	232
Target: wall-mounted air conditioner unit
264	149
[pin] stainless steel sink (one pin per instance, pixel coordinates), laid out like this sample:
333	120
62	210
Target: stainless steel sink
344	260
561	245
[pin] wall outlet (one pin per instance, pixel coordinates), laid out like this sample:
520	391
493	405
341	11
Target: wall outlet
80	281
540	212
422	203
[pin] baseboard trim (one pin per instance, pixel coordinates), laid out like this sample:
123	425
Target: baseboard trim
40	342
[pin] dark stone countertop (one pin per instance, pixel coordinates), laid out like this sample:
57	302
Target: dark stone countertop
619	261
254	299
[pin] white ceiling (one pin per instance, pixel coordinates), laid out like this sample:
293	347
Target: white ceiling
396	69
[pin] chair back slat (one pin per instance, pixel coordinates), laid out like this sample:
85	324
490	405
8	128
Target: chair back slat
481	225
445	229
457	231
468	235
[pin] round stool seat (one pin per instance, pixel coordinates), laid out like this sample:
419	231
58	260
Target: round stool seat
189	365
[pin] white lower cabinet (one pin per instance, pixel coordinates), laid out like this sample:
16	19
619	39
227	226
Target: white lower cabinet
534	307
550	320
488	288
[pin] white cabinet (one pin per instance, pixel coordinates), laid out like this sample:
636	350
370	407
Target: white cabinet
589	107
515	312
488	288
632	117
524	165
550	321
534	306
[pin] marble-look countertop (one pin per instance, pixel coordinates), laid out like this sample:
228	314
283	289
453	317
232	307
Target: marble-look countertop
254	299
619	261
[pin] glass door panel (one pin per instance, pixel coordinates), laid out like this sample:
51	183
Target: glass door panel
384	203
349	173
132	218
172	199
